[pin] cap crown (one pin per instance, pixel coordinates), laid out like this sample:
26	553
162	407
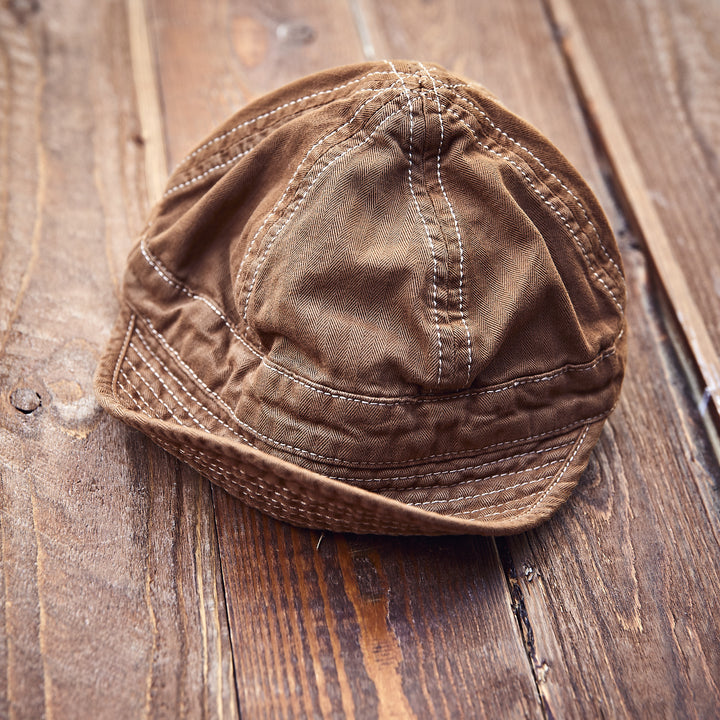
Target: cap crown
414	250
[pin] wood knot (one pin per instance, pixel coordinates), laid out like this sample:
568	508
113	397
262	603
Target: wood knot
26	400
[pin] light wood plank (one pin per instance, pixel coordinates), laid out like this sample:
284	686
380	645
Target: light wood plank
111	589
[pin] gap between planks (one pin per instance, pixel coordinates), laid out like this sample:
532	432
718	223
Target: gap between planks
144	71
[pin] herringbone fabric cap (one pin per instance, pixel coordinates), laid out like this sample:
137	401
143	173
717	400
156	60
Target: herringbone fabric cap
375	301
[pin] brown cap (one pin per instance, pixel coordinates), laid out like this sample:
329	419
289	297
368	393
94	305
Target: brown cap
375	301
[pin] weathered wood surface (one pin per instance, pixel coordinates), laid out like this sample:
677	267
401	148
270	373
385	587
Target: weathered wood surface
114	604
111	595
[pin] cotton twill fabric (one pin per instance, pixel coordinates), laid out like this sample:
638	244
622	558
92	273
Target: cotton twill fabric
375	301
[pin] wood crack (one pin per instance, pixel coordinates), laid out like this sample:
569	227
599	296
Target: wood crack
517	603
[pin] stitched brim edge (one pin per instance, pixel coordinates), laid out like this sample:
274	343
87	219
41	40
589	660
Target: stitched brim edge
305	498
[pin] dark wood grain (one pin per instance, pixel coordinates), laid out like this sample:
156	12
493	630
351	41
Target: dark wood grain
111	597
616	594
369	626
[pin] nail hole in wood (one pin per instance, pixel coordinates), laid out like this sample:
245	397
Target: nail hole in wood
25	400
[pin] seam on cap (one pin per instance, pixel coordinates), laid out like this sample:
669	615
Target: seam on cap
162	382
403	400
491	492
237	156
458	96
564	221
378	481
160	362
210	464
263	489
500	131
422	218
301	199
121	354
529	508
468	101
454	217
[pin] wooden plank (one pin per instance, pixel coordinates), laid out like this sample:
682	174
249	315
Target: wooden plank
657	137
111	592
369	626
361	626
617	594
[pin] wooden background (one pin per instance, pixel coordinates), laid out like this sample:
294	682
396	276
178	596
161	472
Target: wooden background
131	588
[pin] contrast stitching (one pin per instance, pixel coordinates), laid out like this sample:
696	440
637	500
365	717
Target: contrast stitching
187	392
527	508
547	170
254	431
176	355
547	202
123	352
457	96
500	504
125	390
452	212
169	278
149	387
212	169
562	472
299	202
391	401
290	104
137	390
458	470
491	492
342	461
218	472
207	172
174	352
422	217
162	382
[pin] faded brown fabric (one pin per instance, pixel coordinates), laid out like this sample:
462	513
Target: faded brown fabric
375	301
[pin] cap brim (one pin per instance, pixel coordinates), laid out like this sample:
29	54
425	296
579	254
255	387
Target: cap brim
510	488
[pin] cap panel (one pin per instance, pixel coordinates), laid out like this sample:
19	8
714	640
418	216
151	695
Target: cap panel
501	133
346	289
